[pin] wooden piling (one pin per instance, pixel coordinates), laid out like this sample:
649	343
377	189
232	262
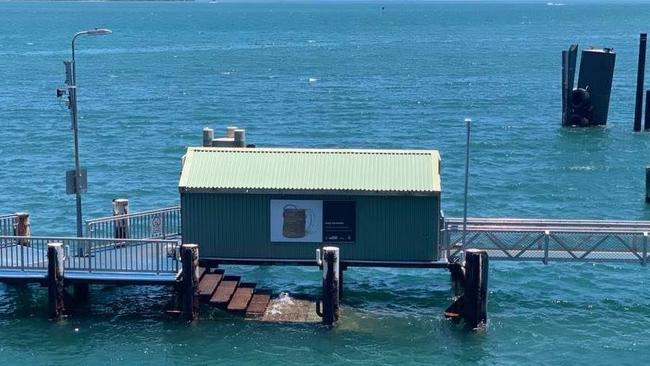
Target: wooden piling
23	227
646	118
328	307
81	292
120	208
240	138
190	281
55	285
341	270
476	284
208	136
643	39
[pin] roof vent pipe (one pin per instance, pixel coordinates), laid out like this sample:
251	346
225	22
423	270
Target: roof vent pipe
240	138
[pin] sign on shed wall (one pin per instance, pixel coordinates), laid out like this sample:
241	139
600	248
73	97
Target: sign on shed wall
313	221
297	221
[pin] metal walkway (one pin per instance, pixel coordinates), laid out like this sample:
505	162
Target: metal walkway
549	240
136	261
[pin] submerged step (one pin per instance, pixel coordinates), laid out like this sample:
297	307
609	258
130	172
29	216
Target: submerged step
258	304
241	297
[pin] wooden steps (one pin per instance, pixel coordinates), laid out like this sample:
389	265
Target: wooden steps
241	297
228	293
258	304
209	283
225	290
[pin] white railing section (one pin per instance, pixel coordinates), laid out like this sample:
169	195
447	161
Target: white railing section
153	224
8	224
92	254
549	240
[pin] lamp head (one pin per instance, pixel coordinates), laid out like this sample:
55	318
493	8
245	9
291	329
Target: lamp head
94	32
98	32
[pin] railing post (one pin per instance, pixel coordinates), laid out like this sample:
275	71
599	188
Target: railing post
547	235
55	285
89	252
448	241
22	257
158	258
645	249
190	281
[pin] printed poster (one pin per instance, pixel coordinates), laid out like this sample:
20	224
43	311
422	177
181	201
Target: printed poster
297	221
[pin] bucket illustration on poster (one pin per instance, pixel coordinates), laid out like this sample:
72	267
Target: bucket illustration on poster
296	221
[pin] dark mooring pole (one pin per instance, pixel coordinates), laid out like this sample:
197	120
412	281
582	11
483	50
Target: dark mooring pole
190	284
55	286
639	83
476	284
328	308
646	120
647	184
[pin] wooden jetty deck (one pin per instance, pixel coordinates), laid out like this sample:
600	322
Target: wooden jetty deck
124	262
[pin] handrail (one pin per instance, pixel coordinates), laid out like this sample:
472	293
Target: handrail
135	214
550	222
7	224
92	254
157	223
549	240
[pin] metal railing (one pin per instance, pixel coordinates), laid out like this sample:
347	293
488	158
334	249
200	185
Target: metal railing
160	223
92	254
23	253
8	224
549	240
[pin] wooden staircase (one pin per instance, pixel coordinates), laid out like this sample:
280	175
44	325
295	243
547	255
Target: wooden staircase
230	294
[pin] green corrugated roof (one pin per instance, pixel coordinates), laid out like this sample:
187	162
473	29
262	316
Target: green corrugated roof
310	170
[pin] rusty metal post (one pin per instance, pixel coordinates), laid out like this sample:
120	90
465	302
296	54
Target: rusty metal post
120	208
328	307
23	227
55	285
190	281
476	284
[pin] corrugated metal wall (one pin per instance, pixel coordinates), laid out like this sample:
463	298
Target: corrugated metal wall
389	228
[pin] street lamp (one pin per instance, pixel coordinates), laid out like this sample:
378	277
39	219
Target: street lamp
77	179
468	123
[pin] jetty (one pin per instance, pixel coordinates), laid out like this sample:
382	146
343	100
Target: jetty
332	209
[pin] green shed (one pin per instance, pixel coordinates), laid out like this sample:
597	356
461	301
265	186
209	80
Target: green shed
252	205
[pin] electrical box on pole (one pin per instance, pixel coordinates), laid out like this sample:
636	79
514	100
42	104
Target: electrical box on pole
70	181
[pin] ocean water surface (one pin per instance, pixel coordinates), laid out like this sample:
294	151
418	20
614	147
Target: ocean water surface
369	75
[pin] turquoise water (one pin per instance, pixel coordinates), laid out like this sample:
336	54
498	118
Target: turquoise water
404	77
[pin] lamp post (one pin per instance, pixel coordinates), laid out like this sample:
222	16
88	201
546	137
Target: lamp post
468	123
71	81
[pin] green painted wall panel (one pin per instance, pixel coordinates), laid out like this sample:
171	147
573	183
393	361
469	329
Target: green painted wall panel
389	228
